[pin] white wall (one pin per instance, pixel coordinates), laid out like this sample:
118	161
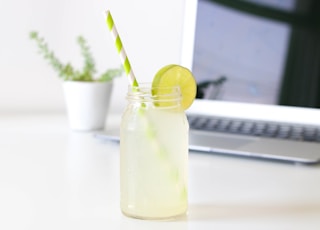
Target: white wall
151	31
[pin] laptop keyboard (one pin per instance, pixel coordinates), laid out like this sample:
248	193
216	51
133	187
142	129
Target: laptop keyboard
255	128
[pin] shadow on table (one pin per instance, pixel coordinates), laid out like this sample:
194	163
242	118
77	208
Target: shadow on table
201	212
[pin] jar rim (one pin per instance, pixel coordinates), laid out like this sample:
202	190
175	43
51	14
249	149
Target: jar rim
145	92
149	85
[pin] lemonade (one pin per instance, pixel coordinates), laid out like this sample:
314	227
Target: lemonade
154	140
154	146
154	153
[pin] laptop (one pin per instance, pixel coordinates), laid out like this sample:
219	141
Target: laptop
238	61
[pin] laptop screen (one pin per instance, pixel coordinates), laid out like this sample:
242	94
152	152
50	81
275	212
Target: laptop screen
238	56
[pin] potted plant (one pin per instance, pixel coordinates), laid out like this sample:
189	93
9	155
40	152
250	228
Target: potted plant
87	96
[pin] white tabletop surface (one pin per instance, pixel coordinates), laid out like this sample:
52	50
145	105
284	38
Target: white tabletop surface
54	178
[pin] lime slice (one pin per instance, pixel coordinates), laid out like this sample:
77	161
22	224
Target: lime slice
176	75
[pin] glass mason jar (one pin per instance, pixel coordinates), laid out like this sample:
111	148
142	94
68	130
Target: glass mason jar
153	154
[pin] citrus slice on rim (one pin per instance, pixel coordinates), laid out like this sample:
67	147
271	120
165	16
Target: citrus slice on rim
176	76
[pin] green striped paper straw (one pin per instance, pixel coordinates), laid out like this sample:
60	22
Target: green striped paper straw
123	56
134	82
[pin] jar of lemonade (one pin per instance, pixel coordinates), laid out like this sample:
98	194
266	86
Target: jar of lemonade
153	154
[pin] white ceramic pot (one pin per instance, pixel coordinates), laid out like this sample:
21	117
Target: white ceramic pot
87	104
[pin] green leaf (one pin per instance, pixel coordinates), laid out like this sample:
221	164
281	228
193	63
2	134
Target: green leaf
109	75
67	71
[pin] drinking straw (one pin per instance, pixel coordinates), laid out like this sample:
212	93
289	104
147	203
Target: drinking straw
133	81
118	43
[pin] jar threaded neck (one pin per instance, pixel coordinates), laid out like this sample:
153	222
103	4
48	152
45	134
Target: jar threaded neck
158	96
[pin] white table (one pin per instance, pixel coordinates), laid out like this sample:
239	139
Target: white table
53	178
